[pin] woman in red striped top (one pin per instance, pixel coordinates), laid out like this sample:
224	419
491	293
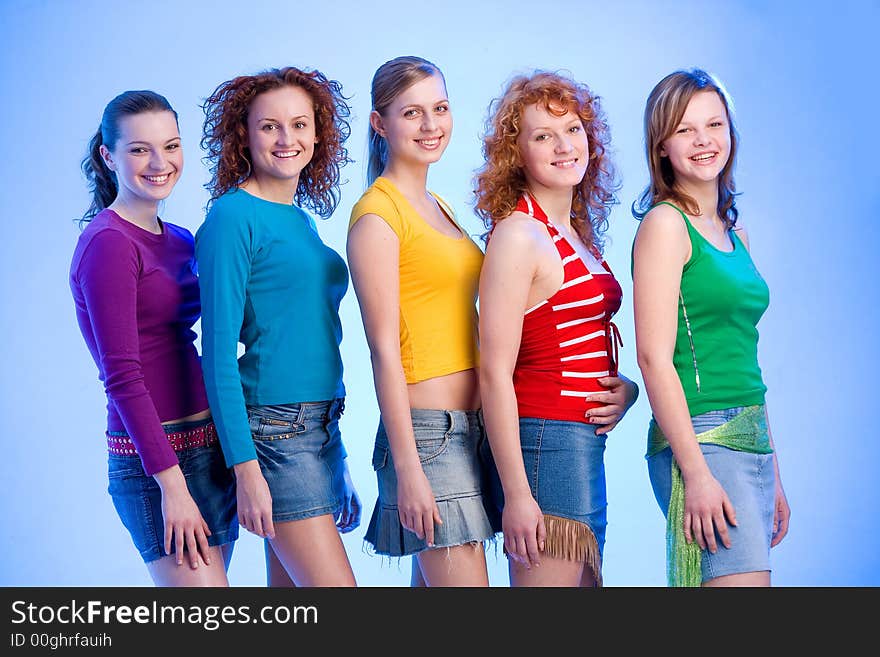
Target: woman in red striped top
550	387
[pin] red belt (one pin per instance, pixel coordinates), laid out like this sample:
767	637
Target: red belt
202	436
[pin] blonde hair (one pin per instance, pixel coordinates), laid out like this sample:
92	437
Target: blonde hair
390	80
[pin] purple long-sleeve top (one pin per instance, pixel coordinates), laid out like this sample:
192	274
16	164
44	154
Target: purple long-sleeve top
137	298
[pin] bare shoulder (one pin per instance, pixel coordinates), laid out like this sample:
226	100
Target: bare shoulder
518	230
665	218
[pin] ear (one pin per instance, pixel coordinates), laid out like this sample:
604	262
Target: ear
376	123
107	156
663	152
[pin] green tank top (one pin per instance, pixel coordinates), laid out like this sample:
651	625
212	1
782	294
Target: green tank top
716	345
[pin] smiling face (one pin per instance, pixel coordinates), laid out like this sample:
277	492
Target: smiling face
281	135
147	157
554	150
417	124
699	147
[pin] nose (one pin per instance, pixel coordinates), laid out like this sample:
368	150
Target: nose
701	137
429	122
158	160
563	144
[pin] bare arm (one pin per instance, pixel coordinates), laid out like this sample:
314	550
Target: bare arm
661	249
373	256
506	278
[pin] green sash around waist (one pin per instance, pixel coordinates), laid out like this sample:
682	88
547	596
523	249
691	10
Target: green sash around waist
747	432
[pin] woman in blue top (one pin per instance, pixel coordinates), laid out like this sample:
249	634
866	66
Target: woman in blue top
275	141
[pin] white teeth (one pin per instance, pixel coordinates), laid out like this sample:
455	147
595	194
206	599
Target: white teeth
284	154
703	157
157	179
564	164
429	142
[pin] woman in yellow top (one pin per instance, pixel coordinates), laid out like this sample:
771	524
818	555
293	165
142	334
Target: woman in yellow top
416	273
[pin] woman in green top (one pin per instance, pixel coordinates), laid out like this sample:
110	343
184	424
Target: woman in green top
697	301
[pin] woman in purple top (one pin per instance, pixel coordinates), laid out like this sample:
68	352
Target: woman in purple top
134	283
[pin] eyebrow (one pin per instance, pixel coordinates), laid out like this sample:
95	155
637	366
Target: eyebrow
569	123
146	143
269	118
436	102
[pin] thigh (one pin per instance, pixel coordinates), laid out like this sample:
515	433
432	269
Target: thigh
458	565
165	571
312	552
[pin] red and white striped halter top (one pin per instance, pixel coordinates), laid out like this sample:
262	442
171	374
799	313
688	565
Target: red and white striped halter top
568	340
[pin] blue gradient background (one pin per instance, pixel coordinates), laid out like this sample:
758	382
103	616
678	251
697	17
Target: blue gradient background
806	97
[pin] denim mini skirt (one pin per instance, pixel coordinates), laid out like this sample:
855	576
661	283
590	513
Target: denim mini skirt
138	498
450	445
749	481
299	448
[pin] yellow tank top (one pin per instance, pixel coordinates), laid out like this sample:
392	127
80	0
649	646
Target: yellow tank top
439	279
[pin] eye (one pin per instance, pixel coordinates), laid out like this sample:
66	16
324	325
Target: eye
410	113
172	147
681	131
574	128
716	124
542	137
138	150
442	108
299	125
267	127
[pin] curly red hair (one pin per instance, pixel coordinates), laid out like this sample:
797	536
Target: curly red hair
225	136
501	181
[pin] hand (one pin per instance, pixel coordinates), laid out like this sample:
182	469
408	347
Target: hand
707	510
183	521
781	515
254	499
622	393
524	532
416	505
349	516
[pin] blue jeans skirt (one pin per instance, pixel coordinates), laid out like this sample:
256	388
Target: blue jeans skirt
138	498
565	467
301	455
449	444
749	481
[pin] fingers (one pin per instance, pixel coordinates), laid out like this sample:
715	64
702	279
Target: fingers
605	429
169	532
541	533
780	522
688	535
268	526
179	536
202	540
532	552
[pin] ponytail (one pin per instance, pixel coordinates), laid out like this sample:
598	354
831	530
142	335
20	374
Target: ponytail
102	181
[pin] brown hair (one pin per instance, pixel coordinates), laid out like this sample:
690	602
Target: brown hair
102	181
225	136
390	80
501	181
663	112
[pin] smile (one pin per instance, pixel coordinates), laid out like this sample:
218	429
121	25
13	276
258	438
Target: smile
703	158
158	180
286	154
565	164
430	144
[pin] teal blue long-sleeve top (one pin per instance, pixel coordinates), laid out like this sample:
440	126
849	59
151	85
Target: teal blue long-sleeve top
268	281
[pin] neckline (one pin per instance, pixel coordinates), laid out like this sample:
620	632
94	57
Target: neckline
139	230
461	234
730	233
265	200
